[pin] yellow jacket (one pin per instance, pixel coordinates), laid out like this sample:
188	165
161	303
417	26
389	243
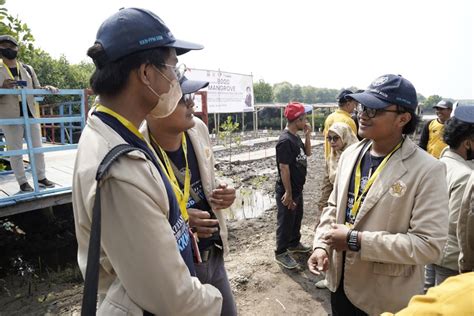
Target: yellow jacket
455	296
403	219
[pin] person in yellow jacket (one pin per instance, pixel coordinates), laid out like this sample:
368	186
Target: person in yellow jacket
452	297
431	138
343	115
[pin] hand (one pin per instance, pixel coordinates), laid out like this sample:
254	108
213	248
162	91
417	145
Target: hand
222	197
201	221
9	84
51	89
307	129
336	237
319	261
287	200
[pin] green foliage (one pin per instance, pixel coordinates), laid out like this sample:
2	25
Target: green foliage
226	133
430	102
283	92
263	92
10	25
50	71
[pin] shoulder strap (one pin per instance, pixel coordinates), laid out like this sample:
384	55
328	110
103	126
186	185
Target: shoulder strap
27	67
91	282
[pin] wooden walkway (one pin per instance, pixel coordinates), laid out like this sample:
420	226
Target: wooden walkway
59	169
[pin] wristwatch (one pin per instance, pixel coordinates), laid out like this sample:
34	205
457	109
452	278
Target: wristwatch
352	240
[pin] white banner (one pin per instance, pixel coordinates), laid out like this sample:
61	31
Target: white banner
227	92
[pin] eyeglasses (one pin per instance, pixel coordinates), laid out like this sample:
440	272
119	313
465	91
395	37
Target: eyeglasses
188	99
371	113
332	139
179	70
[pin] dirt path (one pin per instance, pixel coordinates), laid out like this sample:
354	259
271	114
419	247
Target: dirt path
260	285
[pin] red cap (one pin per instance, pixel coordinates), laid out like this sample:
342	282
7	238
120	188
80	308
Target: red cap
293	110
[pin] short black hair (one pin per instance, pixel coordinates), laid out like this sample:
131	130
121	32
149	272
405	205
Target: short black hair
111	78
410	127
456	131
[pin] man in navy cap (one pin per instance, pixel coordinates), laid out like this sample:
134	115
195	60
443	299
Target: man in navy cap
386	217
431	138
291	159
183	144
146	259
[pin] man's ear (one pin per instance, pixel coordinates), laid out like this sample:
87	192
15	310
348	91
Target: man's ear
404	118
142	73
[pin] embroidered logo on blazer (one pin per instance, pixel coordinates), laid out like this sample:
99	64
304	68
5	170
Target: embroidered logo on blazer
398	189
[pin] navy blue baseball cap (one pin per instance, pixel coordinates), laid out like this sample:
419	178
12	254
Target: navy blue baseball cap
342	96
387	90
465	113
131	30
191	86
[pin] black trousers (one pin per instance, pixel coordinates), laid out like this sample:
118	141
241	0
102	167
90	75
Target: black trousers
288	224
340	304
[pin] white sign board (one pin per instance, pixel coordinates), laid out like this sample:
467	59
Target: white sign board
227	92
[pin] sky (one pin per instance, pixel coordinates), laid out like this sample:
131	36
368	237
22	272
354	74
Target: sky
332	44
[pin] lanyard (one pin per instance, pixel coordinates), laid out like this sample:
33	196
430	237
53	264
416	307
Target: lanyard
181	196
9	72
358	175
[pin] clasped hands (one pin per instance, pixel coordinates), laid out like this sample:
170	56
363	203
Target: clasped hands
200	221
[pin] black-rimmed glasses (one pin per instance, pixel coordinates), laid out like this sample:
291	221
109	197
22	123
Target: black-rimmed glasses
371	113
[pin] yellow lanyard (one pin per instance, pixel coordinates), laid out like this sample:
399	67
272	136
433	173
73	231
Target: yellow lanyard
181	195
9	72
11	75
358	175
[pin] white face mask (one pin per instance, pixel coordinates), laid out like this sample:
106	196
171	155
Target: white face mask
168	101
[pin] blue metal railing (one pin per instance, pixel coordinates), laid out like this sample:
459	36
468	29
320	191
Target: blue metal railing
65	122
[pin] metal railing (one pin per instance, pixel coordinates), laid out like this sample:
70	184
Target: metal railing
65	121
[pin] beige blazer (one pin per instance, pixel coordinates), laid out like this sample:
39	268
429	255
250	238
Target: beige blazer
403	219
458	173
9	107
199	136
465	229
141	266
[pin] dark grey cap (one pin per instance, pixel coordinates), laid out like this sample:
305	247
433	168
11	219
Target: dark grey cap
465	113
444	104
8	38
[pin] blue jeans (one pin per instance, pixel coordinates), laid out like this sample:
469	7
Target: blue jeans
435	275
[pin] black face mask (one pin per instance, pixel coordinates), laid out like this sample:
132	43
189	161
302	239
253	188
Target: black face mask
8	53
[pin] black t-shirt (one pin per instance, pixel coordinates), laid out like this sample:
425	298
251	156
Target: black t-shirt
368	166
177	157
290	151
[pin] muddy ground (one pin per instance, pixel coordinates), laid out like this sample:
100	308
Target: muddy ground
41	285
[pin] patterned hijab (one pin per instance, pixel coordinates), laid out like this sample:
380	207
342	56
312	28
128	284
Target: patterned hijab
348	138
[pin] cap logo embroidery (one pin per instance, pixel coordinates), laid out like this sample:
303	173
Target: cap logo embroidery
398	189
379	81
150	40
